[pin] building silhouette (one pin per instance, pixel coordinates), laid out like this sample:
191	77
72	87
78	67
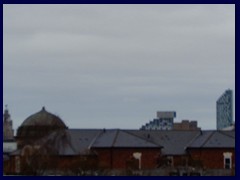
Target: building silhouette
9	143
8	133
224	107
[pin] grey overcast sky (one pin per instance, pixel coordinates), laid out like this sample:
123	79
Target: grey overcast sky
114	66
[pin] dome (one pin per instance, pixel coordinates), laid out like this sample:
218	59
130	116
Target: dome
40	124
43	118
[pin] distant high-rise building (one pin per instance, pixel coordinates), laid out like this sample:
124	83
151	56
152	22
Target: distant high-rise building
225	110
164	121
7	126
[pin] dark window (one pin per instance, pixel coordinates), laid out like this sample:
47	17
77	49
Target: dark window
227	163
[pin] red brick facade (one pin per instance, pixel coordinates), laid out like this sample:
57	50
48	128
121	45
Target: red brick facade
180	160
212	158
117	158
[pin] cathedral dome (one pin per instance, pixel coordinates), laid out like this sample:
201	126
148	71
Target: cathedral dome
39	125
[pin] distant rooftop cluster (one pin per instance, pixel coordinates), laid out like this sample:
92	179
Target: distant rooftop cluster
186	125
165	121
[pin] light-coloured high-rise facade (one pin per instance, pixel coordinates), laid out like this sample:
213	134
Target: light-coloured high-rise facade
225	110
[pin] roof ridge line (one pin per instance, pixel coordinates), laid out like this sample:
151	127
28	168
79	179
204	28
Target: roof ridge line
222	132
212	133
193	139
115	138
95	138
145	139
69	141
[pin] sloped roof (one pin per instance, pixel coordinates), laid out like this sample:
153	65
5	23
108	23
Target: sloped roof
122	139
105	139
71	141
173	142
126	139
229	133
80	141
214	139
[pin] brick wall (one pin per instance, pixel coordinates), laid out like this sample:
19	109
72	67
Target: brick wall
211	158
117	158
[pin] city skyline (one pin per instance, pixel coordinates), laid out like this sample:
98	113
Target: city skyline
115	66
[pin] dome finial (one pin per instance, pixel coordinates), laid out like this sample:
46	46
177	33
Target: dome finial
43	108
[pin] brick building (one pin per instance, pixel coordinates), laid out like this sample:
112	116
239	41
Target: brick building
214	149
186	125
115	148
74	151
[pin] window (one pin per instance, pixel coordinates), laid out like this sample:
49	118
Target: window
227	163
227	159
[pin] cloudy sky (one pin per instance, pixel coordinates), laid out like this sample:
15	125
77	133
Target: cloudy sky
114	66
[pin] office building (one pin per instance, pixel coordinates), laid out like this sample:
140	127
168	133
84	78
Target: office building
225	110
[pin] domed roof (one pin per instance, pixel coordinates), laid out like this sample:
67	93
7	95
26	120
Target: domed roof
44	118
39	125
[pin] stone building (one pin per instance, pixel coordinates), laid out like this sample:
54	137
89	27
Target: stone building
9	143
8	133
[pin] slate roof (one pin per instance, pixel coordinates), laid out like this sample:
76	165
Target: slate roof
214	139
122	139
79	141
173	142
70	142
105	139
